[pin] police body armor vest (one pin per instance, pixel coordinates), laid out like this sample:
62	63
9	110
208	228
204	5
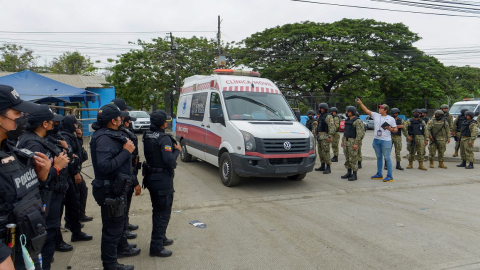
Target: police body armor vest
309	124
350	130
132	137
416	127
466	128
460	121
153	152
20	201
399	130
437	127
322	126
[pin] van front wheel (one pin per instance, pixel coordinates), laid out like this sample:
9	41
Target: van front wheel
297	177
227	172
184	155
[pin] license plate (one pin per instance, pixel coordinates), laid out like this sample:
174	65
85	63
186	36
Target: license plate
287	169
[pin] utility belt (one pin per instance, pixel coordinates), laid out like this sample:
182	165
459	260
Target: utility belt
464	137
321	132
396	135
350	139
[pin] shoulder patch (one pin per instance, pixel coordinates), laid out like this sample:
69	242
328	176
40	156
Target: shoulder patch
168	148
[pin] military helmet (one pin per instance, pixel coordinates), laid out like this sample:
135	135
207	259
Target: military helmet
333	109
311	112
357	114
351	109
394	110
423	111
439	112
444	106
462	111
470	113
417	111
323	106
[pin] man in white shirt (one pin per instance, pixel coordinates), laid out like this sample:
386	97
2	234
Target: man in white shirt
382	143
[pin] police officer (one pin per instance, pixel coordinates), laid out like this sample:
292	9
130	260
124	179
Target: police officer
82	189
416	138
449	118
336	136
439	131
458	130
353	134
310	120
161	152
111	155
124	129
324	130
40	125
468	135
17	164
397	136
359	156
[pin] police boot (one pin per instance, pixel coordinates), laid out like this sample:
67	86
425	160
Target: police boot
334	159
399	167
455	154
129	251
410	164
431	164
385	166
162	253
359	164
130	235
120	267
353	177
349	173
420	166
441	165
327	170
132	227
470	166
463	164
321	168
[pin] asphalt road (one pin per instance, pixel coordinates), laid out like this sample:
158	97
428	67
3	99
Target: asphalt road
422	220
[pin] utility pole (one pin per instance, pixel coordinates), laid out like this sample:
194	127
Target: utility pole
173	47
221	58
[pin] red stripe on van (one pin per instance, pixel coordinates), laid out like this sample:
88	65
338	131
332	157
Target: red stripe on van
280	155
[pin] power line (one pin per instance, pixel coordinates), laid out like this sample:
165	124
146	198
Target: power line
385	9
97	33
431	6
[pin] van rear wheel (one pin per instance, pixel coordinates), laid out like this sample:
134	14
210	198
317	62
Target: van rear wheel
184	155
297	177
227	173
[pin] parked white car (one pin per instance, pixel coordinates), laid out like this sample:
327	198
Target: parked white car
142	122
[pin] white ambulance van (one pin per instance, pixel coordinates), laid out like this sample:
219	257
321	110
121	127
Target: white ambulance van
242	124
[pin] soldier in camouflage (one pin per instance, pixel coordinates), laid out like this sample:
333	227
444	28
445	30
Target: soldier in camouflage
352	136
468	135
397	136
439	131
324	129
449	118
457	126
336	137
416	139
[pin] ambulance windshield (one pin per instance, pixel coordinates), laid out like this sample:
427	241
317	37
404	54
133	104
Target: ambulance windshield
257	106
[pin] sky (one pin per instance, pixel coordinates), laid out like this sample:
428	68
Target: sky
453	40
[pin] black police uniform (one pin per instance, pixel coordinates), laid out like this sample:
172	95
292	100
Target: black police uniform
82	189
161	157
111	165
52	191
18	184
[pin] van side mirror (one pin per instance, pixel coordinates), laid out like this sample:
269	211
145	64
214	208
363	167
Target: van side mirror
214	115
297	115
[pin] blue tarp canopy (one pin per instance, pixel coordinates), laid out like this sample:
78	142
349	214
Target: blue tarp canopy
37	88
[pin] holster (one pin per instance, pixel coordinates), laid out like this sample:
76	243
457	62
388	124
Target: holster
115	207
122	184
146	169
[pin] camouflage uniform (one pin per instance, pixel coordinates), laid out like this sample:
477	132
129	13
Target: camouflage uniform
441	131
323	146
466	151
419	141
336	136
457	128
397	140
351	155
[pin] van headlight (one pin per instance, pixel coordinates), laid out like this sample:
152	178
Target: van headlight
249	141
312	142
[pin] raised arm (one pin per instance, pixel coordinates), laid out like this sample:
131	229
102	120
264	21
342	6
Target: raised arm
365	109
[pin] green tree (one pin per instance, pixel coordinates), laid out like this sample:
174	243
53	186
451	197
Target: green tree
72	63
15	58
145	77
466	81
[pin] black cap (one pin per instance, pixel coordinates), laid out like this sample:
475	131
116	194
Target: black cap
129	108
158	118
120	104
109	112
9	98
44	113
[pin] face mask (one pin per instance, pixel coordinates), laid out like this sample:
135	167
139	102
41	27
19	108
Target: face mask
416	115
56	129
310	117
438	117
21	127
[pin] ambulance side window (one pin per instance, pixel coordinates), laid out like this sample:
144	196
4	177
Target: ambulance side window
216	103
197	109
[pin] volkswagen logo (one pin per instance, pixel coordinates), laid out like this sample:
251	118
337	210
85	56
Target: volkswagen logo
287	145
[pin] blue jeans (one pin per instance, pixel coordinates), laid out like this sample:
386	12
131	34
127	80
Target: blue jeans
382	150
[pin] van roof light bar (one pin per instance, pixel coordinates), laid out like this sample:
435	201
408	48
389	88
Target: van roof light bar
237	72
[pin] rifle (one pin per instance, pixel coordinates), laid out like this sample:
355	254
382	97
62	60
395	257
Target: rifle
434	136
